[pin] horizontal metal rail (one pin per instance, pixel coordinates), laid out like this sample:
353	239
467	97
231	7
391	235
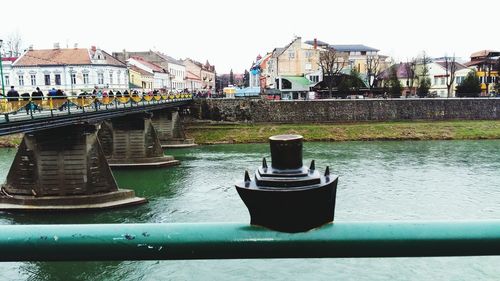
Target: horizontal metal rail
30	125
241	241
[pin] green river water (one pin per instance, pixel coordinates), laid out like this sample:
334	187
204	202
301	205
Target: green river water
410	180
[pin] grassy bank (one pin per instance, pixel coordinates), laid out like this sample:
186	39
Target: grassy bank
11	140
414	130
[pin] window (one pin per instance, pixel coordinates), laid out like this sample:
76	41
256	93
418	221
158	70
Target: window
442	81
308	54
73	78
119	76
85	78
47	79
291	54
100	78
110	78
308	66
7	81
33	79
21	80
58	79
435	81
481	79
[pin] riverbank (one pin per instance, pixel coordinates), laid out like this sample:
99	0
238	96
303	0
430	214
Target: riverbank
11	140
215	133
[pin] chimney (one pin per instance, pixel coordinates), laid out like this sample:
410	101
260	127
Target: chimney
30	48
93	48
56	46
315	43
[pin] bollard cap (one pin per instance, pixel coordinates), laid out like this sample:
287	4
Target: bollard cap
286	152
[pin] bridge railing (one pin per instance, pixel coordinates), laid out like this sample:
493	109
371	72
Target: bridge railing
241	241
34	106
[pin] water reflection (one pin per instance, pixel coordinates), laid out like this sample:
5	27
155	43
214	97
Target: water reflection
424	180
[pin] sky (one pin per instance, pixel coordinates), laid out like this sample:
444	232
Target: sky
230	34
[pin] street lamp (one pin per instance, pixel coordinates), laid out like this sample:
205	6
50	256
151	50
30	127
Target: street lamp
71	78
1	68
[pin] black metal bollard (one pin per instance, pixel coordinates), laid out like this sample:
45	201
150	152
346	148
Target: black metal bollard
288	196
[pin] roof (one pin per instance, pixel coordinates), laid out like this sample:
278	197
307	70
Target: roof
11	59
458	66
353	48
54	57
62	57
140	70
298	80
153	66
485	53
192	76
319	42
169	58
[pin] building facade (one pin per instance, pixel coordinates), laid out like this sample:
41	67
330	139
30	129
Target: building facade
175	68
487	64
71	70
160	76
205	72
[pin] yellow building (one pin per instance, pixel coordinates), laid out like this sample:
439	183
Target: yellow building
485	62
140	78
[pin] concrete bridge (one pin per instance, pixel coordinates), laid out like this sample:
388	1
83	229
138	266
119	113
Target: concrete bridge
70	143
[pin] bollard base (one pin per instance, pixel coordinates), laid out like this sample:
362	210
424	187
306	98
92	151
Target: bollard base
290	209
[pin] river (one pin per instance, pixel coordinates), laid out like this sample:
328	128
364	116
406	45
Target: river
408	180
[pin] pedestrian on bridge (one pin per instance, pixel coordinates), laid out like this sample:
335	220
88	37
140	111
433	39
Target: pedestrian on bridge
12	94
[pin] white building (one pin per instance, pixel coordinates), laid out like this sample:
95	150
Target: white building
175	68
160	75
7	72
437	75
71	70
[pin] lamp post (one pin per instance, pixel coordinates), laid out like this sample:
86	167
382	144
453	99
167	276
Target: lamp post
71	78
1	68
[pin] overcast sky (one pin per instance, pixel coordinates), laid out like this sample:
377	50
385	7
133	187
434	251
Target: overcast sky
230	34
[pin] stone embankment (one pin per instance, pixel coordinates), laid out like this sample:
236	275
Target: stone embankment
317	111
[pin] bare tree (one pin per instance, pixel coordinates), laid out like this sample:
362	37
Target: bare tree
13	44
373	70
450	68
410	68
331	63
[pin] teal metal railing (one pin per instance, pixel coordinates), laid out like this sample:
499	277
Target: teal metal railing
241	241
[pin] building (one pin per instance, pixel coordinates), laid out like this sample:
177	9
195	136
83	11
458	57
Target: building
140	79
438	74
486	64
161	79
293	69
7	72
205	72
193	82
72	70
175	68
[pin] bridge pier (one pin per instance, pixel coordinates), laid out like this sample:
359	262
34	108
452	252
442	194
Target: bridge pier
62	169
170	130
131	141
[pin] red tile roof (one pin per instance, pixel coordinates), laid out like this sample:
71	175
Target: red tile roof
192	76
62	57
140	70
153	66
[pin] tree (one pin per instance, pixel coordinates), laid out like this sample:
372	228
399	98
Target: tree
470	87
331	63
410	68
450	69
13	45
394	84
373	70
355	80
231	77
246	79
424	82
